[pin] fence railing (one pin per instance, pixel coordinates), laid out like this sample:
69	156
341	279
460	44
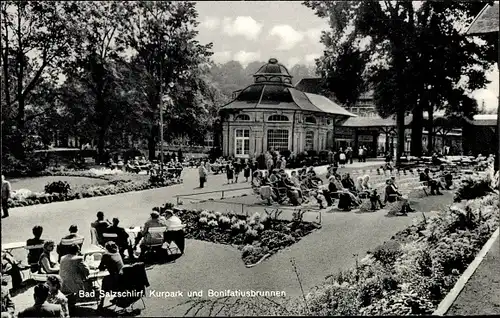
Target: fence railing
244	207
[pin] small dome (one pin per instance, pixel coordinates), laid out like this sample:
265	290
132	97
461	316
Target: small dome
273	72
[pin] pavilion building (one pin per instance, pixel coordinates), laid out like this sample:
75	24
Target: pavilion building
273	114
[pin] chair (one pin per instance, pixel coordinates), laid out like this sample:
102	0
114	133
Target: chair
110	237
133	282
147	247
34	266
93	236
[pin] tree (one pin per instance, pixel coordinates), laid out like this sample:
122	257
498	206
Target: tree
38	38
97	75
401	40
166	57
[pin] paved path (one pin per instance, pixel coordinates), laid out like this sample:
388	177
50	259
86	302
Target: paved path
481	294
211	266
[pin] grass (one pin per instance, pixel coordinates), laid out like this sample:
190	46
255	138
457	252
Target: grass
37	184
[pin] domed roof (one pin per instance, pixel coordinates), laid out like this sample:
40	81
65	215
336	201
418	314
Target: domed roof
273	72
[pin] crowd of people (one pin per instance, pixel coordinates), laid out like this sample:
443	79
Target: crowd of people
69	273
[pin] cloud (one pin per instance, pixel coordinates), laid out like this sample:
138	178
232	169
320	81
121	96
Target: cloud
288	36
314	34
222	56
490	93
246	57
292	61
243	25
210	23
310	58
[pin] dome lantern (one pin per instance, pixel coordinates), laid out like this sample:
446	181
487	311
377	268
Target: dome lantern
273	72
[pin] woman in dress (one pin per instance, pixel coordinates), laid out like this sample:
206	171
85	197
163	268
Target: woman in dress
56	297
45	263
246	172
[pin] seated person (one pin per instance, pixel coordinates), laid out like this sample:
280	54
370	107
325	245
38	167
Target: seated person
175	230
100	226
347	199
122	238
56	297
392	195
311	171
45	263
448	178
433	184
393	180
73	237
41	308
112	262
144	237
10	266
348	183
374	199
74	273
35	253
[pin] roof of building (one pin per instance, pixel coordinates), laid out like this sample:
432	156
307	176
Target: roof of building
327	105
486	21
483	120
375	121
309	85
272	90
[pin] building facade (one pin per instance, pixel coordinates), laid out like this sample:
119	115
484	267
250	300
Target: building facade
273	115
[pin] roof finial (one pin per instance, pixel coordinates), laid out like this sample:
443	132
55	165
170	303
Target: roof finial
272	60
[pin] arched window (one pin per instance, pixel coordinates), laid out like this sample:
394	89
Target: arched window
243	117
278	118
310	120
309	140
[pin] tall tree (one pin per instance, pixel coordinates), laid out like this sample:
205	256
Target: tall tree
166	54
37	40
98	70
402	38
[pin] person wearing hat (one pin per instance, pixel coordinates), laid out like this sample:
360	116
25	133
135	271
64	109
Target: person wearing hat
175	230
392	195
146	238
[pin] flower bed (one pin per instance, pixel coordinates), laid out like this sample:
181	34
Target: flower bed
255	236
25	197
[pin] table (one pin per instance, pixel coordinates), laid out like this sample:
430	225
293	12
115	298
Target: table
133	230
13	246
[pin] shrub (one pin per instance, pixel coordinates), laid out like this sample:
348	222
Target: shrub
472	188
58	187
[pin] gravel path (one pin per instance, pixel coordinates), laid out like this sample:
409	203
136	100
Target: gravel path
211	266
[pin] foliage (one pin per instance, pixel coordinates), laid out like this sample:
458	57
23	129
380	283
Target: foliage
62	187
472	188
378	45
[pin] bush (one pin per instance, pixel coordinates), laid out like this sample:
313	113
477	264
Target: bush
472	188
58	187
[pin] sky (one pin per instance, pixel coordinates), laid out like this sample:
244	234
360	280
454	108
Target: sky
248	31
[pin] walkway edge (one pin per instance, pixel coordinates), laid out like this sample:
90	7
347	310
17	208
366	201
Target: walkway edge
450	298
260	261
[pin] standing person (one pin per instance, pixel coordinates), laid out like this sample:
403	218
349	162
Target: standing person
237	170
349	154
203	174
269	164
253	167
6	192
246	171
365	153
208	166
229	172
360	154
283	163
342	158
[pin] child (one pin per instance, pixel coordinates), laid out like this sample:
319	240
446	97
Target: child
229	173
374	199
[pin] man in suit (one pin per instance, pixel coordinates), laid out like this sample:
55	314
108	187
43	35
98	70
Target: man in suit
100	226
122	238
74	273
41	308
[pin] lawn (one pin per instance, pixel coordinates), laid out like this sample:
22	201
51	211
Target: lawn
37	184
